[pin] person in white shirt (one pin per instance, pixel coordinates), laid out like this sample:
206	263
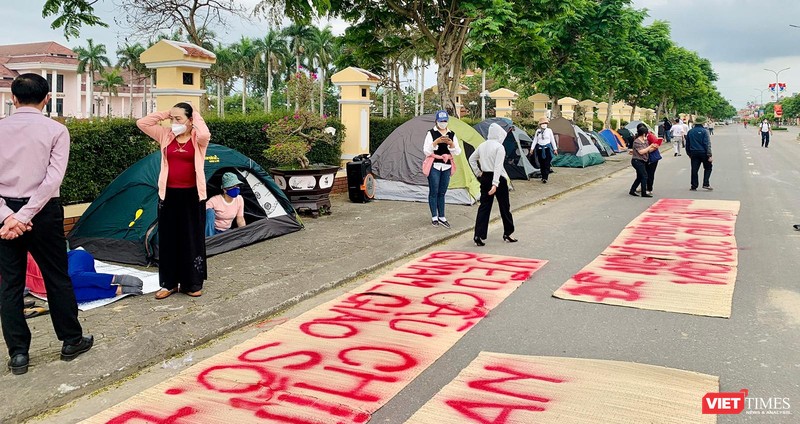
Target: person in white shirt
440	146
544	147
677	134
765	129
487	162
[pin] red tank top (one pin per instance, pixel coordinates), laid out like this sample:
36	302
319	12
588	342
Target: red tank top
181	165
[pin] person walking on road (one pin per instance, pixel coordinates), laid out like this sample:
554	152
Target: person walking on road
640	151
34	151
182	198
667	126
653	157
487	162
545	147
765	129
698	147
677	133
440	146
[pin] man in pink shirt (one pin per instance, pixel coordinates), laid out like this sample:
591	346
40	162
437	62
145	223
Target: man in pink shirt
34	151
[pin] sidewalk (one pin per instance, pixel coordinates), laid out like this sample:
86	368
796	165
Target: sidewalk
249	285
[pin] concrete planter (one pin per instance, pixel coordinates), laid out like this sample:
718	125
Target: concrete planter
307	189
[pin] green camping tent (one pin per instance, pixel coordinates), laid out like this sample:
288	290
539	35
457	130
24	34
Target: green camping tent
121	224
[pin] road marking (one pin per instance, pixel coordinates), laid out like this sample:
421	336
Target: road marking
751	163
755	172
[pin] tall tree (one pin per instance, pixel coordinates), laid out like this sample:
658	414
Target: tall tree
444	24
91	59
247	62
299	36
221	72
274	51
72	15
110	81
321	49
128	58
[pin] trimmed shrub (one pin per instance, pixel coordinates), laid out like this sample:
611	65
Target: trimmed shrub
102	149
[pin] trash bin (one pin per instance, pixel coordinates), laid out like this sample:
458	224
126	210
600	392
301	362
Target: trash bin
360	181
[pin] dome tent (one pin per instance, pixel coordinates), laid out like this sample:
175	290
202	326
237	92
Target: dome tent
121	224
517	145
397	163
575	147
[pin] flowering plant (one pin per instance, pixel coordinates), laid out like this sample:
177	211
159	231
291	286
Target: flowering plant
291	138
301	88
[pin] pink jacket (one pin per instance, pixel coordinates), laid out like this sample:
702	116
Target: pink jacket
151	125
427	164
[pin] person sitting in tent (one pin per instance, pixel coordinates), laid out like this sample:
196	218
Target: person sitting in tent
223	208
439	147
88	284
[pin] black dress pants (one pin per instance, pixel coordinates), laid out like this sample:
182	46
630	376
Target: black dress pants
48	246
485	209
697	160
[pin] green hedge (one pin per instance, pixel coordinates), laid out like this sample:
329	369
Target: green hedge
102	149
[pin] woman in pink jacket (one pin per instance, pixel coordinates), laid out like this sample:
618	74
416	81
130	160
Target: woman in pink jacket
182	197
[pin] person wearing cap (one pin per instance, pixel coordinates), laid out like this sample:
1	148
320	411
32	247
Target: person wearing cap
440	146
545	147
223	208
698	147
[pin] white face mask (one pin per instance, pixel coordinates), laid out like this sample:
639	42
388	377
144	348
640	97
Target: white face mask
544	126
441	125
178	129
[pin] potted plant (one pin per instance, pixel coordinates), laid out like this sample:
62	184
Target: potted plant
290	139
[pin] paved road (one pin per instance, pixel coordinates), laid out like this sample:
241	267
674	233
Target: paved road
755	349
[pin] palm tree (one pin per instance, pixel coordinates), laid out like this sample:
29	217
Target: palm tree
90	60
275	50
110	81
299	38
321	49
247	62
222	71
129	59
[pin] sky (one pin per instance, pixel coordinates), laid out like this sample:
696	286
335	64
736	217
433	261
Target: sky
740	37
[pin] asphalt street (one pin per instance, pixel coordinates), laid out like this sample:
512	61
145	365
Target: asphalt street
756	349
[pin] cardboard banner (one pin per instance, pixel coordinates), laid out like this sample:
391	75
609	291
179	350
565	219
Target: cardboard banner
499	388
343	360
678	256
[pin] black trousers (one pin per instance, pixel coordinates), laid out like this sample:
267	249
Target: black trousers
651	174
545	156
485	209
641	174
182	240
764	139
48	246
696	161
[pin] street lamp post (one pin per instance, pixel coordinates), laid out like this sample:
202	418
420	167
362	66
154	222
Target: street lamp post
762	93
777	89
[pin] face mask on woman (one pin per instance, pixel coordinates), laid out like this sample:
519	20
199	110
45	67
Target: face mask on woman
544	126
441	125
232	192
178	129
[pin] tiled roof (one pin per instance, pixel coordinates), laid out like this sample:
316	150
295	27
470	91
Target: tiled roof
44	48
6	73
192	50
43	59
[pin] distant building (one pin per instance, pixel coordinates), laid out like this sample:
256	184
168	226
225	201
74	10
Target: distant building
69	98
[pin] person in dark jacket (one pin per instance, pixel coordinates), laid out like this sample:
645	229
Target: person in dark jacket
667	126
698	147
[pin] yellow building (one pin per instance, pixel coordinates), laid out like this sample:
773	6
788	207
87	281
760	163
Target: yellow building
355	85
504	102
177	68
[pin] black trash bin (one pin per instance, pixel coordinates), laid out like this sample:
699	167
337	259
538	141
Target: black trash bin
360	181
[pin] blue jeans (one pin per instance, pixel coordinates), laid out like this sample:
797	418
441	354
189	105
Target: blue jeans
437	188
210	229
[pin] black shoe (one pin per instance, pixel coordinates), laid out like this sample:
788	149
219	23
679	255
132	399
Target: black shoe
675	155
709	188
509	239
18	364
444	223
693	189
544	181
646	195
796	227
478	241
70	352
633	193
435	222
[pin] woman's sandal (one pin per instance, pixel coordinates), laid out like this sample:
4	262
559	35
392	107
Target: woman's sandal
195	294
35	311
165	293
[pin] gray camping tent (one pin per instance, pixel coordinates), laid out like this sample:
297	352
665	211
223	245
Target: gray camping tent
517	144
397	164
